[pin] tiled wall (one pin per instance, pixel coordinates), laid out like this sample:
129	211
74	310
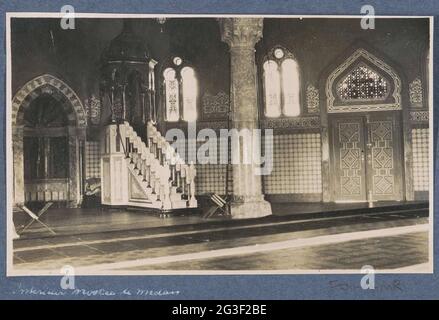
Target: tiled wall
297	165
210	178
420	159
92	160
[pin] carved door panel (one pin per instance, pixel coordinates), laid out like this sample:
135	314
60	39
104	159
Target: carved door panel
384	158
348	170
366	157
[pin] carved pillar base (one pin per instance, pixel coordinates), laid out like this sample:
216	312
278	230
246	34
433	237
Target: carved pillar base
249	207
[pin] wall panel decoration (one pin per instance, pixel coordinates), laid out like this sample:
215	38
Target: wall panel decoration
416	93
420	159
312	99
291	123
419	116
215	106
92	107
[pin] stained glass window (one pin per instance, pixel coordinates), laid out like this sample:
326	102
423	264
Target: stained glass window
272	89
172	95
181	93
291	87
363	83
177	61
189	94
279	53
281	84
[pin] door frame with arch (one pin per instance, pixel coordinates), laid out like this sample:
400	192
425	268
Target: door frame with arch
332	108
76	116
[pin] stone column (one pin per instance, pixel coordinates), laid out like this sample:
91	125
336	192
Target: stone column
241	34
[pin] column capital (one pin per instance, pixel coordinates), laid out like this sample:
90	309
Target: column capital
241	32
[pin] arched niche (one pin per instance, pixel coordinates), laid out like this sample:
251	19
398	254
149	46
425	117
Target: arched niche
76	126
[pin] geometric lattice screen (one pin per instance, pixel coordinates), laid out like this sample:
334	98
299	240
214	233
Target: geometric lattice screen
296	165
420	159
92	160
362	83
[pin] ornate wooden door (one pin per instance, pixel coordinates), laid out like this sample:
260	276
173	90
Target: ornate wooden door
348	169
366	157
384	156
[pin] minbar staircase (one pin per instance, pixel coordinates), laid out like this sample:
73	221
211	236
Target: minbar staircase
138	175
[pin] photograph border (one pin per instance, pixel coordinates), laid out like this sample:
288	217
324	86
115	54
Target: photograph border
220	275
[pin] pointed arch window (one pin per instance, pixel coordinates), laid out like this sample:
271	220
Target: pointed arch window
281	80
180	92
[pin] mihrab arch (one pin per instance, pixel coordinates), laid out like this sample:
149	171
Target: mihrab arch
70	102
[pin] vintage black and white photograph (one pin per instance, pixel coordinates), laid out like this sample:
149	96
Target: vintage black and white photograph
230	144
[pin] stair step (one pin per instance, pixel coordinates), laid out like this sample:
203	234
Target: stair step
148	190
176	197
177	200
180	204
157	204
